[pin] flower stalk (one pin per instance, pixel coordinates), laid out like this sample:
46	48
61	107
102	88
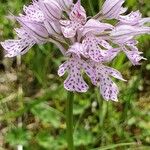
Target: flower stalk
69	120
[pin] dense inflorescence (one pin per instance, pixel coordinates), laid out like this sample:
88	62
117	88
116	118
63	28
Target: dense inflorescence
88	43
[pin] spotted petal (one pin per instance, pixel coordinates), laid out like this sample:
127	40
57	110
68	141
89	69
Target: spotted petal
74	67
78	13
17	47
108	89
89	70
113	72
99	50
93	49
77	20
134	56
74	81
33	12
63	68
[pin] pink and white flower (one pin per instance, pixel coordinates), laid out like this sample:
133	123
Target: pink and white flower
77	18
87	43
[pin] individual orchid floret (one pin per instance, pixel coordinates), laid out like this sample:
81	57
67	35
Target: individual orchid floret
30	33
19	46
134	56
108	88
134	18
74	67
124	33
111	9
131	50
51	9
77	20
98	73
78	13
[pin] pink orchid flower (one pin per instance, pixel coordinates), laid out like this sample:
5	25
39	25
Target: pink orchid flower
87	43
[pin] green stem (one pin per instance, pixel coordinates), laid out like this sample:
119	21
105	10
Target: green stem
69	121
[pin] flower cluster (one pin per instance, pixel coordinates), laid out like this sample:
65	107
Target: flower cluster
88	43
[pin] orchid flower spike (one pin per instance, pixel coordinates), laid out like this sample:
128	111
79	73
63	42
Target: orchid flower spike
88	44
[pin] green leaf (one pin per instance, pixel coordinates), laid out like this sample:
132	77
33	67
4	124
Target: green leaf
45	140
18	136
83	137
46	114
80	105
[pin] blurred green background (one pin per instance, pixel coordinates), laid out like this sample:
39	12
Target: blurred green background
32	97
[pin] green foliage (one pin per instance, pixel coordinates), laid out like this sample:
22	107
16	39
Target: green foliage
45	140
98	125
18	136
46	115
83	137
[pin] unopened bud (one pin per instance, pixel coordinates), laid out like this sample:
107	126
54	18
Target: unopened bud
112	8
35	29
51	9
